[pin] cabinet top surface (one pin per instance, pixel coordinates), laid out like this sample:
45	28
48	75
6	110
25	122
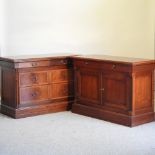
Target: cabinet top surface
126	60
23	58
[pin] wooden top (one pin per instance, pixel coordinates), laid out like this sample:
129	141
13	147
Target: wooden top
125	60
105	58
24	58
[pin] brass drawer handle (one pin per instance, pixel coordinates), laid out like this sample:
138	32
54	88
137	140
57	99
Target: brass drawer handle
34	94
113	67
102	89
63	62
34	64
86	63
34	78
65	91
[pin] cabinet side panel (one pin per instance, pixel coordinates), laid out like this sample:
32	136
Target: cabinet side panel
143	92
9	87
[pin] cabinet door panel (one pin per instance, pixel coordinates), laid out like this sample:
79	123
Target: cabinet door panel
88	86
117	91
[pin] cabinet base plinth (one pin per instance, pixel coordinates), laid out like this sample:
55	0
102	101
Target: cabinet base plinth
35	110
113	116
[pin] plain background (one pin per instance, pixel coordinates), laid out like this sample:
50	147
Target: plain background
111	27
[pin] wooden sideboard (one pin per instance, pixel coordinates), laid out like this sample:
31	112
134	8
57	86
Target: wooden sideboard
32	86
115	89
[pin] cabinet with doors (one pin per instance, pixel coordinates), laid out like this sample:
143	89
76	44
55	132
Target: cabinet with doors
119	91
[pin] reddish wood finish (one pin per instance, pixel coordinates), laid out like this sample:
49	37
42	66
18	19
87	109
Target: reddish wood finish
88	86
34	94
114	91
36	86
62	75
62	90
33	78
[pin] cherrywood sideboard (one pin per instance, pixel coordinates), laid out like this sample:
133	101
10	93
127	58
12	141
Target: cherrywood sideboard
115	89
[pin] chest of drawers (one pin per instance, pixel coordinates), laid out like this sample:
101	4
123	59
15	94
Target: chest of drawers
36	86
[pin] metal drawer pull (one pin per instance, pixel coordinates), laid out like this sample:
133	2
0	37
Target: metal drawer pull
102	89
65	90
86	63
63	61
113	67
34	94
34	64
34	78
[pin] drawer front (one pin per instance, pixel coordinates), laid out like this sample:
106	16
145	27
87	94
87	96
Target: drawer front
61	90
58	62
117	67
88	63
61	75
32	64
33	94
103	65
33	78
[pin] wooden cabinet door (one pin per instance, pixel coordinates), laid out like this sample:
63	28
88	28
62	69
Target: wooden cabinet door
116	91
88	84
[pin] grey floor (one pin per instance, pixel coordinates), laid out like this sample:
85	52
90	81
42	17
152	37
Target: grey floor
66	133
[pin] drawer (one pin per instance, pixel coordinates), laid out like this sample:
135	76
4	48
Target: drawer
109	66
60	90
61	75
58	62
32	78
88	63
32	64
117	67
32	94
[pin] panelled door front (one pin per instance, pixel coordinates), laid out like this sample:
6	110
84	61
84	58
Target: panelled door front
88	85
116	91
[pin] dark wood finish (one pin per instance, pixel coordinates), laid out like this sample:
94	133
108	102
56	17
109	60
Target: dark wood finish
34	94
36	85
36	110
9	88
119	90
33	78
115	89
62	90
62	75
88	86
